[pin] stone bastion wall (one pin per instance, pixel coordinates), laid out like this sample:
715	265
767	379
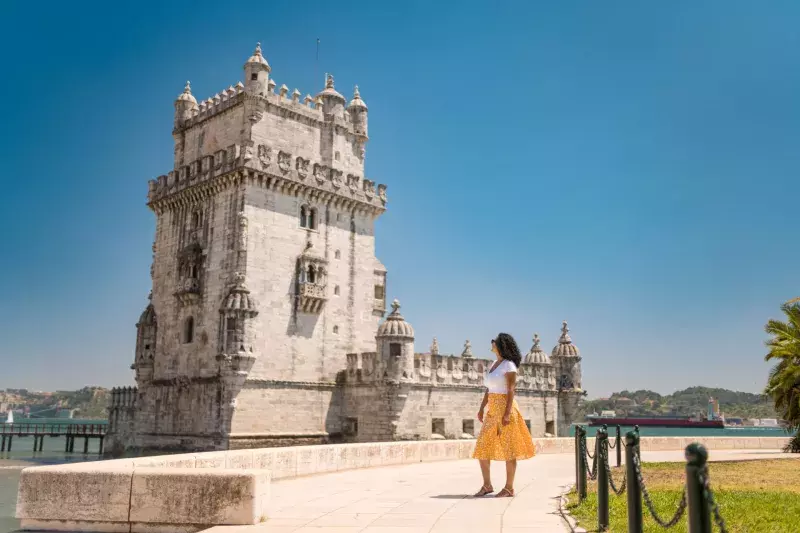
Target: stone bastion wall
192	492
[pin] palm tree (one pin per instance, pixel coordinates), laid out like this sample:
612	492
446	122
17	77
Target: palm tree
783	385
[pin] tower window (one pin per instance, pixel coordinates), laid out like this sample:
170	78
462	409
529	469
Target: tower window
336	290
188	330
311	277
437	426
468	427
395	350
254	76
379	292
337	156
337	254
336	329
308	217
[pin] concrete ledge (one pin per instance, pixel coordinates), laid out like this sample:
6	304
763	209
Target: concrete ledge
120	498
168	499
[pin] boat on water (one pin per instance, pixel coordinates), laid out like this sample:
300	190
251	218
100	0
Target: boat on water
655	421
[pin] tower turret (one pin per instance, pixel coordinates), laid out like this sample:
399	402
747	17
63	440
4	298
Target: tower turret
185	106
395	340
566	358
358	114
332	102
256	71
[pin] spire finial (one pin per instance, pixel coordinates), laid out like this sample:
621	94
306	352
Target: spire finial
188	88
435	347
356	94
258	49
467	349
329	82
395	306
564	334
536	340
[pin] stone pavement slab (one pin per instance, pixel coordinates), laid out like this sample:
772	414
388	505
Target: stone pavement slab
419	498
436	497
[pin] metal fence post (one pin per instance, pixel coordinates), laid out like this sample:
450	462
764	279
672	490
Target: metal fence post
577	459
699	506
601	447
582	481
619	447
634	491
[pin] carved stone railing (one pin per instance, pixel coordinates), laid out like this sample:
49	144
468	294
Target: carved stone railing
189	290
312	297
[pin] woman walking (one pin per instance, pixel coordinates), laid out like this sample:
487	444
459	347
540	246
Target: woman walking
504	435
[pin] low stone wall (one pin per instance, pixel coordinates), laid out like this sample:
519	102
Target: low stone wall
152	494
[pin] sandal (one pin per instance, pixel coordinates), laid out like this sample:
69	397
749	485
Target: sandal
505	493
484	491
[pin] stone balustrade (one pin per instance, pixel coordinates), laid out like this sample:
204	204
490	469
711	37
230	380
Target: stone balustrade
159	494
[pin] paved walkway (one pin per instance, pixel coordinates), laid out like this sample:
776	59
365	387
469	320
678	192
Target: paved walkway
434	498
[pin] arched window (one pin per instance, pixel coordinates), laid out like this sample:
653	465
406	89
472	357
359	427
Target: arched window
303	217
312	218
337	254
336	329
312	274
188	330
336	290
194	272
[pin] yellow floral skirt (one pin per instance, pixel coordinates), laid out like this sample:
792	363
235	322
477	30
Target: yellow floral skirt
497	442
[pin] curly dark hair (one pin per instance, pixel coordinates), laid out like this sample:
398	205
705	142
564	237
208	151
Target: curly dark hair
508	348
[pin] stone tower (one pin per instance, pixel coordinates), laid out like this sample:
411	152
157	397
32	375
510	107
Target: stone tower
264	269
566	358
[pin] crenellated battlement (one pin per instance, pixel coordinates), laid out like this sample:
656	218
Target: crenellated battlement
277	170
444	370
123	397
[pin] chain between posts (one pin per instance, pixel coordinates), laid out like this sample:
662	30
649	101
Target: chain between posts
592	472
649	503
618	491
702	477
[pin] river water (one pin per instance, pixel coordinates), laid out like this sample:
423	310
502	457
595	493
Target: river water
11	464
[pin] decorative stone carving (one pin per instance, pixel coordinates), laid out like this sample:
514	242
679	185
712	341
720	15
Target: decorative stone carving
368	364
382	192
441	371
219	159
369	188
352	182
284	161
424	366
336	178
301	165
247	153
319	172
551	381
264	155
242	232
255	115
467	350
457	374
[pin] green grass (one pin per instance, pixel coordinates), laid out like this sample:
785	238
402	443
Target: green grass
754	497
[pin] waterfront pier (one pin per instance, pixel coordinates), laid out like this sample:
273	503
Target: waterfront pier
71	432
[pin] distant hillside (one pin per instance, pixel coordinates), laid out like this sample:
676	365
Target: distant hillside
691	401
88	402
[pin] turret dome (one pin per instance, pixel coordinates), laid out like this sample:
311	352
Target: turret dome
186	95
565	348
357	102
239	300
257	58
395	325
536	355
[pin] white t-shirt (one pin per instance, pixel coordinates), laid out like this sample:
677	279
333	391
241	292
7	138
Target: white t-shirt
496	379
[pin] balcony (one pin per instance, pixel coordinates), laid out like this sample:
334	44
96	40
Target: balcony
188	291
312	297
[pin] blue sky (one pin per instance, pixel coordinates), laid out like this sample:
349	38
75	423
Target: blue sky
630	168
